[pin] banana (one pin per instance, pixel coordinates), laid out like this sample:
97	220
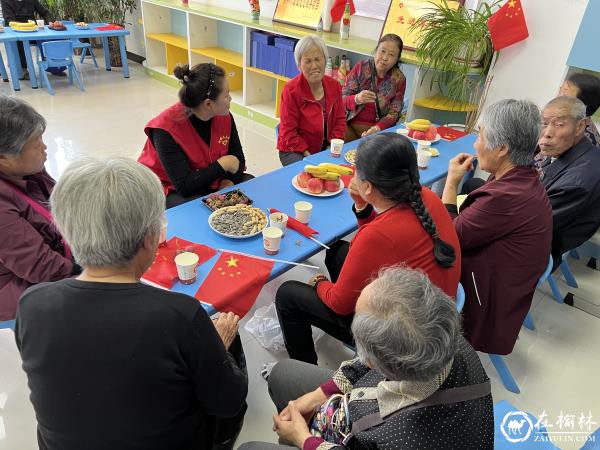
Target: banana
329	176
418	125
336	168
315	170
421	122
20	26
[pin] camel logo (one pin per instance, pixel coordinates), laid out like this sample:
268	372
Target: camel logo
516	426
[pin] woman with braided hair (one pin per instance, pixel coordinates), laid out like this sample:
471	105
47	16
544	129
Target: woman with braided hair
400	222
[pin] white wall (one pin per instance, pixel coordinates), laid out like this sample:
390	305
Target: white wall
534	68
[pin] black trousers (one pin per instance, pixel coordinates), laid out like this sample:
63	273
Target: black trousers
299	307
176	199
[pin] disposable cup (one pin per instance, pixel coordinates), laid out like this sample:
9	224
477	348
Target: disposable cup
186	263
303	211
336	147
423	157
402	131
279	220
272	240
162	240
40	23
423	145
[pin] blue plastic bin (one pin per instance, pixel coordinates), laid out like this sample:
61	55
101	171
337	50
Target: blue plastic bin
259	43
287	65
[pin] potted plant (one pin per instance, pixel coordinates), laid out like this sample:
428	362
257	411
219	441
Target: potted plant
454	46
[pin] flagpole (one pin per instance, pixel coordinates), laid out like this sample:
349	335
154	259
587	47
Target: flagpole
222	250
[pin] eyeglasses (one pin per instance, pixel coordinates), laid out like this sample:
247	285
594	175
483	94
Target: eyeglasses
211	80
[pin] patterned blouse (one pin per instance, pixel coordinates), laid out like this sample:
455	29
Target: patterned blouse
592	132
390	93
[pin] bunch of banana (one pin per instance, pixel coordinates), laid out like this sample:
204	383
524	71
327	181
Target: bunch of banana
418	125
337	168
20	26
328	171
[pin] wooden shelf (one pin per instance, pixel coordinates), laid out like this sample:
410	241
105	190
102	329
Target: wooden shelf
221	54
266	73
171	39
442	103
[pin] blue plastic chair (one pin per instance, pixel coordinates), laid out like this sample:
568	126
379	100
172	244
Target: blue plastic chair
501	409
460	298
57	54
594	442
3	72
85	48
528	323
8	324
276	131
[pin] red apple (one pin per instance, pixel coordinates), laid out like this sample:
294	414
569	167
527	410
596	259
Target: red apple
411	133
419	135
332	185
302	179
431	134
315	185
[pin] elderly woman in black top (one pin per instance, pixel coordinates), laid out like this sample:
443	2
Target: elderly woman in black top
113	363
402	389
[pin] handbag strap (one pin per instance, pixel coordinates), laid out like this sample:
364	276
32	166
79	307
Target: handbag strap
443	397
374	87
40	210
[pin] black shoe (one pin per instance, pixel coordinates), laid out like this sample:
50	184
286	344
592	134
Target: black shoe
25	75
59	74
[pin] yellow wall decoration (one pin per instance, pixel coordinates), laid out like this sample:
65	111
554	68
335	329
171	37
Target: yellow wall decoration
305	13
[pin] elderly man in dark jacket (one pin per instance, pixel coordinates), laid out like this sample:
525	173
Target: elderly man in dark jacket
22	11
570	175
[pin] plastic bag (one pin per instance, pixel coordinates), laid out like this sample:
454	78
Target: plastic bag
264	326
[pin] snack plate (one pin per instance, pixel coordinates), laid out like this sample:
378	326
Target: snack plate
227	196
436	140
350	156
233	236
322	194
82	28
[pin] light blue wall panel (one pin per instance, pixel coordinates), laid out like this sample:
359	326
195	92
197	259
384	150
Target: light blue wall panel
585	53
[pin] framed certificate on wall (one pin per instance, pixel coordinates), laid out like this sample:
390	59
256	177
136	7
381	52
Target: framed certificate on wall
305	13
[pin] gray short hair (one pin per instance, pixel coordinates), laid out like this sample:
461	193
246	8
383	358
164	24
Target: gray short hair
516	124
18	123
306	43
577	109
410	328
105	209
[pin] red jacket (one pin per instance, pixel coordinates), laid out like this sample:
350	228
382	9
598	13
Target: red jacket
301	126
175	121
394	237
31	249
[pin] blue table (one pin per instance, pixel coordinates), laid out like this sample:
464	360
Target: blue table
11	37
331	216
438	166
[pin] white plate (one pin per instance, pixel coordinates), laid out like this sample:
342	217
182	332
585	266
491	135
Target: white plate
322	194
350	152
232	236
437	139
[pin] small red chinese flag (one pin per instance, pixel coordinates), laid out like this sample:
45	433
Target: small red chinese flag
163	271
507	25
234	283
337	10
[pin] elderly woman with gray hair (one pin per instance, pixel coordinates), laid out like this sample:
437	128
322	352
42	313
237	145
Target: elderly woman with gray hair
113	363
312	109
504	227
31	249
417	385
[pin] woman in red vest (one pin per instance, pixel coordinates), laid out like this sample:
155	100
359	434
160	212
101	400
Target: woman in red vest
194	146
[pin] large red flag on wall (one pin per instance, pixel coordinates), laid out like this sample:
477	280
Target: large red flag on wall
507	25
234	282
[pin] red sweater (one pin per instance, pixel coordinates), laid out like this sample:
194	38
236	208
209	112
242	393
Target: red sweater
394	237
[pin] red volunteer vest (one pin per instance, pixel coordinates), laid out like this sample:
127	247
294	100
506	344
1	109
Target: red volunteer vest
175	121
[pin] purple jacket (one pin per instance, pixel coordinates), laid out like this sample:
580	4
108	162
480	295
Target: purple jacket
31	249
505	233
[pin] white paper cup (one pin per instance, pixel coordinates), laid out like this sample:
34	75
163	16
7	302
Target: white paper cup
163	232
423	145
278	220
423	157
303	210
186	263
40	23
272	240
402	131
336	147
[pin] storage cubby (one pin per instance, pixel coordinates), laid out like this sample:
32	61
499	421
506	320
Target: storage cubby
166	37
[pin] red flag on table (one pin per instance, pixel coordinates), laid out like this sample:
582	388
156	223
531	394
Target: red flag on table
163	271
337	10
507	26
234	283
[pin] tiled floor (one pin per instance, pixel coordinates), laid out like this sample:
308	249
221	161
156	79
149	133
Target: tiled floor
556	366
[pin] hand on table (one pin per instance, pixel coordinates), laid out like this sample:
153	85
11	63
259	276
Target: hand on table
359	203
293	430
225	183
227	327
458	167
229	163
372	130
365	97
306	153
